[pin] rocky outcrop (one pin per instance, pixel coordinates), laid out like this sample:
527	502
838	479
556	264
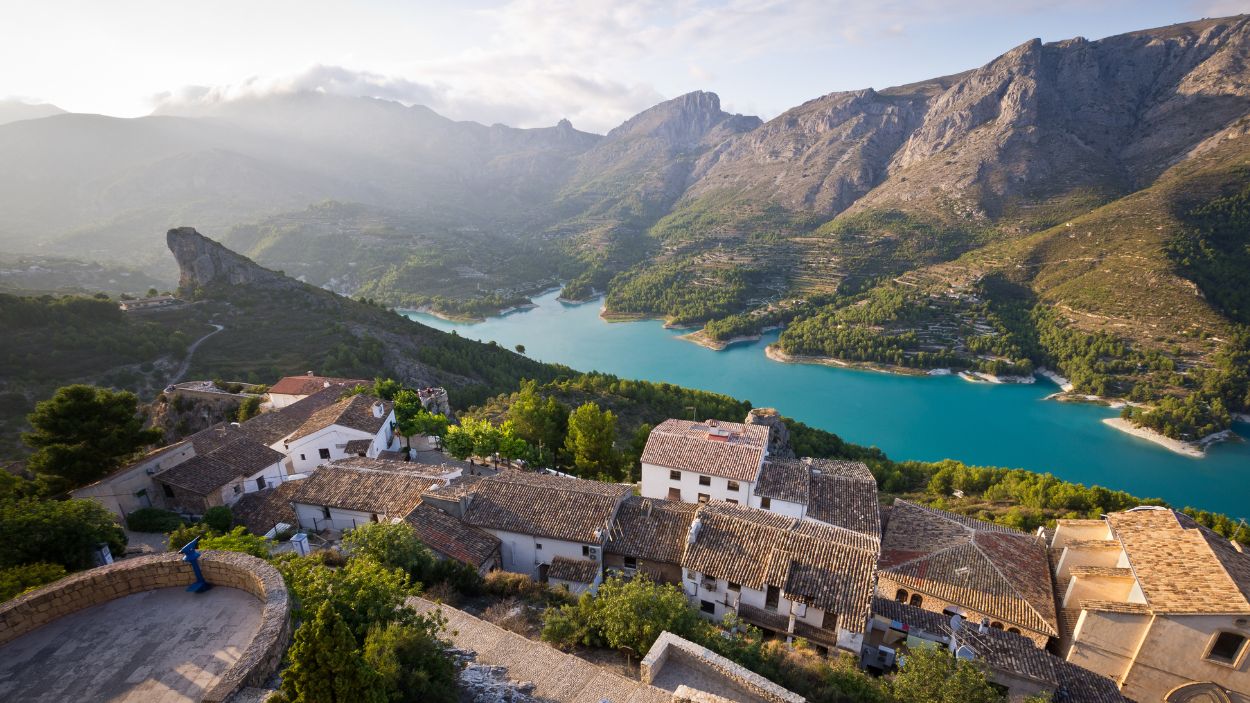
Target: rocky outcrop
203	263
778	434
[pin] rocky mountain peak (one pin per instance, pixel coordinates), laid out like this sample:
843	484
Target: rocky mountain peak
204	263
682	122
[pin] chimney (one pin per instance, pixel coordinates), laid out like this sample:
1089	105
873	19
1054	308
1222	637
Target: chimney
377	408
310	373
646	508
985	626
694	530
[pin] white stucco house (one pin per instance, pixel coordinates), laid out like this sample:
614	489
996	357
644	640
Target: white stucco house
359	425
698	462
341	498
292	389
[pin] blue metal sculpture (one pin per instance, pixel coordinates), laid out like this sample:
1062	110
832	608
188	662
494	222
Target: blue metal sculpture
192	557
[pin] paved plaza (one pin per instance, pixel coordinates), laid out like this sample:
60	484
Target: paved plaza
162	646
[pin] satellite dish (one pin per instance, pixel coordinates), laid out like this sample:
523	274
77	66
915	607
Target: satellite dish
965	653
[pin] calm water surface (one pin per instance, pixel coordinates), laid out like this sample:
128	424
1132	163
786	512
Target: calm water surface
909	417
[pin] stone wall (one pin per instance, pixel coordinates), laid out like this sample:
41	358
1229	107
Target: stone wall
888	588
701	666
225	569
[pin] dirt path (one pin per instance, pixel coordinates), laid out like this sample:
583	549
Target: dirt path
186	362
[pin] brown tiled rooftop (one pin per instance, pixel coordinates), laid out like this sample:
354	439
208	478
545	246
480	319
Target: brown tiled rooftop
259	511
451	537
1101	571
827	567
647	528
564	508
223	455
574	570
268	428
988	568
383	492
1181	566
307	385
355	413
730	450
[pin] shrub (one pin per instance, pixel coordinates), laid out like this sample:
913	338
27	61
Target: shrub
179	537
153	520
17	580
65	532
505	584
512	615
238	540
390	544
219	518
412	661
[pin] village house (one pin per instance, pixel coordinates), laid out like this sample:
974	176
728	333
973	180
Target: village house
952	564
268	511
292	389
649	537
1011	661
794	577
211	467
538	517
698	462
356	426
1158	603
842	493
340	498
156	302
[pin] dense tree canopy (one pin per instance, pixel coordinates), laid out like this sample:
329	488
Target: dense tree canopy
60	532
591	443
83	433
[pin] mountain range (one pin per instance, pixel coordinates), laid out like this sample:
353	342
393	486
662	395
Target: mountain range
1098	183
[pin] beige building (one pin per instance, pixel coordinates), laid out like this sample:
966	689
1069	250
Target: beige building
953	564
1156	602
649	537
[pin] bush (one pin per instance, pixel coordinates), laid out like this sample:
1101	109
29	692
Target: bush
505	584
238	540
185	533
412	661
626	615
219	518
17	580
512	615
390	544
65	532
153	520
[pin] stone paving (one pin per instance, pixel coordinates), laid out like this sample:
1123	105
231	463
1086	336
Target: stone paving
161	646
556	676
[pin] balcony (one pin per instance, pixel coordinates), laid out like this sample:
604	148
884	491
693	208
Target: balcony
764	618
818	635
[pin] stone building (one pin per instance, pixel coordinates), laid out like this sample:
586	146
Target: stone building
697	462
649	537
953	564
1158	603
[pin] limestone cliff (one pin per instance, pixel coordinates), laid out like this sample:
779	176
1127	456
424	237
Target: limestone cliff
204	263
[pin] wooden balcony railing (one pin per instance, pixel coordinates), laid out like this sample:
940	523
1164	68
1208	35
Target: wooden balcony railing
819	635
772	620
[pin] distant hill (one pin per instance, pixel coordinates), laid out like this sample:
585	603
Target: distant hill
12	110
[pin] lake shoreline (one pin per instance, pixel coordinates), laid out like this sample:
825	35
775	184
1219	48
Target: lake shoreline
1196	449
700	337
775	353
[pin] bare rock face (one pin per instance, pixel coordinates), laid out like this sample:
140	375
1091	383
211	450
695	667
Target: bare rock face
778	434
204	263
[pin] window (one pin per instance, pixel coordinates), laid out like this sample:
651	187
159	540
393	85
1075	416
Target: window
703	497
731	500
325	512
735	586
303	458
674	494
766	503
705	480
238	488
900	595
707	606
585	551
260	483
325	453
674	475
1226	648
169	492
772	598
631	562
916	600
1014	629
996	625
733	485
538	545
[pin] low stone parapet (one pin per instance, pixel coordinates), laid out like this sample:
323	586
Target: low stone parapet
224	569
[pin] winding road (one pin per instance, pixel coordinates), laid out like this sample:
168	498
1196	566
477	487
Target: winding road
186	363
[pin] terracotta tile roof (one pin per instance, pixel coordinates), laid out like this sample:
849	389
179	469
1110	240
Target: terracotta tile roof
383	492
457	488
526	503
785	479
268	428
984	567
1115	606
451	537
1009	652
1101	571
223	455
844	493
259	511
1181	566
354	413
730	450
307	385
646	528
574	570
403	467
1094	544
357	446
827	567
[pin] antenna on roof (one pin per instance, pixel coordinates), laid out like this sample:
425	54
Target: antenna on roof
693	413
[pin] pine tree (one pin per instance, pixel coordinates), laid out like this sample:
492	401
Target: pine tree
326	665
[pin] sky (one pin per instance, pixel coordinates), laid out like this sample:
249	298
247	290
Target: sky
526	63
